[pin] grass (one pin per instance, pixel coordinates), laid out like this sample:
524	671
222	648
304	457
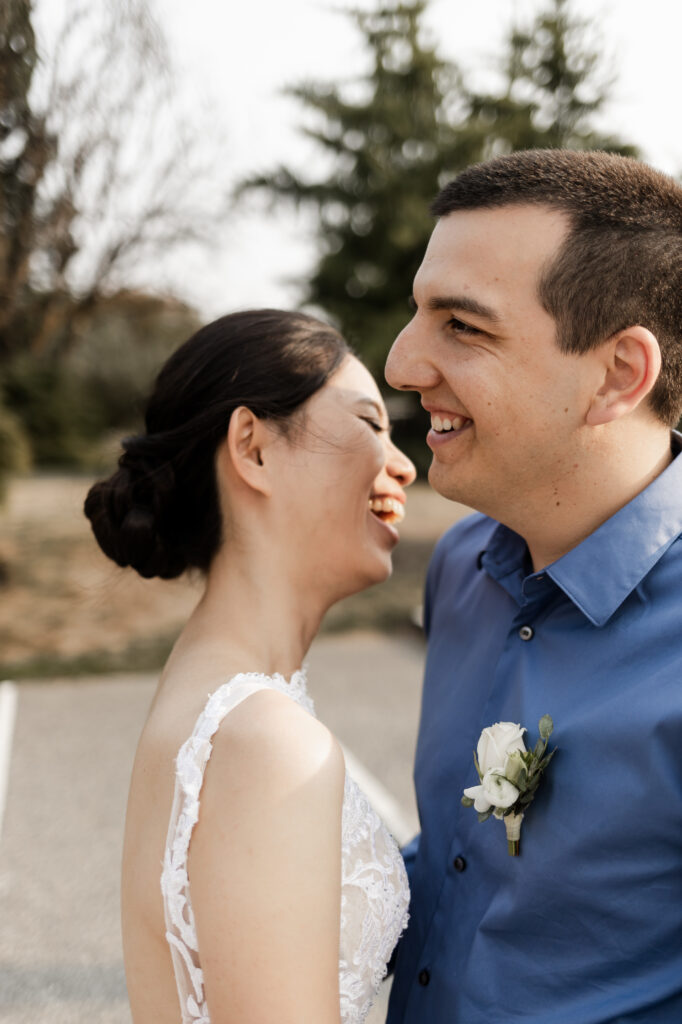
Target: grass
65	610
389	607
139	656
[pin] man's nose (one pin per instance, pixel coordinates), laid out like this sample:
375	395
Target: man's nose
409	367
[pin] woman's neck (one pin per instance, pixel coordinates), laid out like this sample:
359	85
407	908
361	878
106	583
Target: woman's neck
254	616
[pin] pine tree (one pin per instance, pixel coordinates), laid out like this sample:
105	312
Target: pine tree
388	152
552	85
416	126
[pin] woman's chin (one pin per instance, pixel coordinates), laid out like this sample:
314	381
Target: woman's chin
377	569
368	575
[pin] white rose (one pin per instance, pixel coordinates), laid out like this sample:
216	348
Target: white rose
495	745
499	791
494	791
477	794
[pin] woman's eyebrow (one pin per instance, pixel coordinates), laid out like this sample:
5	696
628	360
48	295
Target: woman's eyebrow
370	403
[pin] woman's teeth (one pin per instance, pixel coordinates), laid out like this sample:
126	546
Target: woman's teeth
390	510
443	424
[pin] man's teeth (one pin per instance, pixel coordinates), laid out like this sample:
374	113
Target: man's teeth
391	507
443	424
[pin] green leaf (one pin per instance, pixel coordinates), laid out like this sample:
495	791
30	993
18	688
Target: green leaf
545	761
540	748
467	801
546	727
478	768
484	815
515	768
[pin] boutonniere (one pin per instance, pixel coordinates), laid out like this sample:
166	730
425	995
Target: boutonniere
509	775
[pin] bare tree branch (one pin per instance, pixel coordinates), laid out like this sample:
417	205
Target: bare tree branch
118	172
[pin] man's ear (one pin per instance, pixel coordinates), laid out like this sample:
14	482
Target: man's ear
245	445
631	364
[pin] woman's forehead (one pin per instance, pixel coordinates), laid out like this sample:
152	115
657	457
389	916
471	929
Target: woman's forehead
356	379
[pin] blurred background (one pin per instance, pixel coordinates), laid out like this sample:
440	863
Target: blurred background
162	163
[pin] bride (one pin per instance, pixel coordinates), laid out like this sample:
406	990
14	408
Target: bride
259	886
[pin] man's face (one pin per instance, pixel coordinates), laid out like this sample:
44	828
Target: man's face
481	351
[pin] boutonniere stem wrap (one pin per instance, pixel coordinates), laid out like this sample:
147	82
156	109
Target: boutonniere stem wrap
509	775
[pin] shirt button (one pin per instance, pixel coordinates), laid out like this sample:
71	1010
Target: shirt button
459	864
526	632
424	977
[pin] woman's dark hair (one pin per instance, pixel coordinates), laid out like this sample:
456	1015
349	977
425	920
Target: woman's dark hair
159	512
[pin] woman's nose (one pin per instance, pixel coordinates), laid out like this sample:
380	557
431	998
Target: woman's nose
400	467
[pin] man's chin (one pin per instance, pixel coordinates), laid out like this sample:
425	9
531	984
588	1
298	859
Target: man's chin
441	480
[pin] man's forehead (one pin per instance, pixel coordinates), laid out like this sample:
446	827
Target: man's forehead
542	228
487	247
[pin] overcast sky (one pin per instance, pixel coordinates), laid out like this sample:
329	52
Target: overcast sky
235	56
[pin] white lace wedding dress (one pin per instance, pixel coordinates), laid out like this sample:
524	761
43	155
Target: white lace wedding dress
374	889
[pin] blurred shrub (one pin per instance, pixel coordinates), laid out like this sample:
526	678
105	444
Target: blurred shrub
66	406
121	349
15	453
58	414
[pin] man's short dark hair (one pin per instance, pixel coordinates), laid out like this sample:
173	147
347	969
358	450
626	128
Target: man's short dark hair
621	263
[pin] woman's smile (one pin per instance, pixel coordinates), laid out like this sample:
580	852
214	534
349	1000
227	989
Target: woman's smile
388	511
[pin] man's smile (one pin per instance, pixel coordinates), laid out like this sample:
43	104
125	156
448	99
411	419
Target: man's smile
443	424
445	429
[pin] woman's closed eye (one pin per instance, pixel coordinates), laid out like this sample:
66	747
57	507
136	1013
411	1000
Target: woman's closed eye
374	424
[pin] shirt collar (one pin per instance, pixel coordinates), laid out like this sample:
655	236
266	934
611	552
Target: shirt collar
600	572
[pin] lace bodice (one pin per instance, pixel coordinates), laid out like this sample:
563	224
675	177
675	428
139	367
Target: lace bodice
374	890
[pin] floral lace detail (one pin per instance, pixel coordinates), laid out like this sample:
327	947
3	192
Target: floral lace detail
374	891
374	901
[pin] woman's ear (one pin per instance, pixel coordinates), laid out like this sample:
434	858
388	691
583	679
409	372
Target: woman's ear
631	365
245	444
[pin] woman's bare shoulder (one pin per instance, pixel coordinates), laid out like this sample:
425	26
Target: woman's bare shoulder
271	737
265	864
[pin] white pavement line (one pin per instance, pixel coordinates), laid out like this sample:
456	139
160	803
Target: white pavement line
8	714
383	802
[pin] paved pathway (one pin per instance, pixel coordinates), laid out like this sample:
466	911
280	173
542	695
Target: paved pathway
73	744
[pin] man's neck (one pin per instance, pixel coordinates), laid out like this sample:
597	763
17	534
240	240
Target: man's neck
558	523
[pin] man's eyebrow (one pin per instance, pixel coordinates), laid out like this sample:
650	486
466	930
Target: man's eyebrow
464	303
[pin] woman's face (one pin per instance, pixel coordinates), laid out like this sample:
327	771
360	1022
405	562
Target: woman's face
341	485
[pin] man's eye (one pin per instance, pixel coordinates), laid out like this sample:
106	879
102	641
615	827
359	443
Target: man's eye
460	327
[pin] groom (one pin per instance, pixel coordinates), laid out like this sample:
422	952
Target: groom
547	347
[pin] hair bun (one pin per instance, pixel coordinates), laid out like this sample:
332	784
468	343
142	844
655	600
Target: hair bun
129	512
161	512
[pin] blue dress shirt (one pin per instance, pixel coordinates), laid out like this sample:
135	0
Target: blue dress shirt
585	926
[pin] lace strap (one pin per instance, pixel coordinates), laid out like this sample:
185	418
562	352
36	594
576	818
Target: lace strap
191	764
